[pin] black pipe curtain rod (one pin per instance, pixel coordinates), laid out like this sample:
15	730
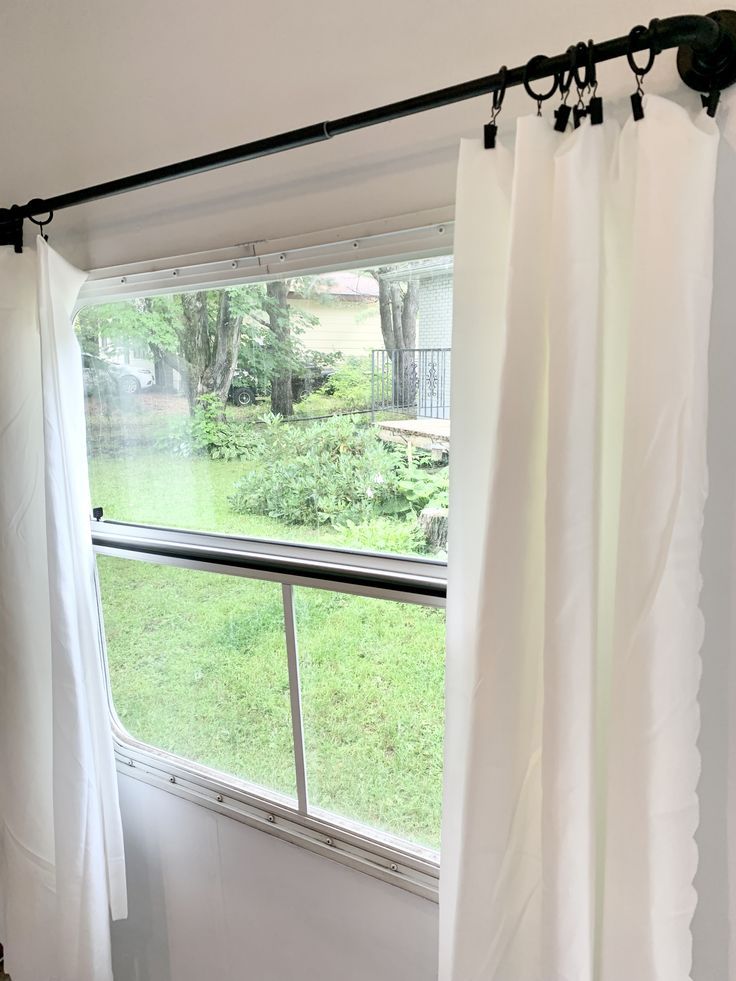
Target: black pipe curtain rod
706	62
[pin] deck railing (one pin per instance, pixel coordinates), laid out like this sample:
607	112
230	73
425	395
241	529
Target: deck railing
412	381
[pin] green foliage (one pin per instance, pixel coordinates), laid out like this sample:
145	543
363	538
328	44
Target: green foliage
160	324
148	321
320	361
101	385
383	534
347	389
209	432
222	440
265	353
319	473
350	385
424	488
340	473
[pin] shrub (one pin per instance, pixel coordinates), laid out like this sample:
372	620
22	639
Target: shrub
318	473
402	537
221	439
209	432
348	388
420	487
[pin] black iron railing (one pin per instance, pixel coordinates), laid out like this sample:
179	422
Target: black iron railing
412	381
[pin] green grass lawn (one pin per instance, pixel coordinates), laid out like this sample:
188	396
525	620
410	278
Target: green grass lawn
198	664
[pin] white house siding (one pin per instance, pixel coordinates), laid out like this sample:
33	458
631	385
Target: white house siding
351	326
434	330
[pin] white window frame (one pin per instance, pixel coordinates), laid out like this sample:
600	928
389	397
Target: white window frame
408	580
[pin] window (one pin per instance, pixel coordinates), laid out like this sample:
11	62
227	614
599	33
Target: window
271	458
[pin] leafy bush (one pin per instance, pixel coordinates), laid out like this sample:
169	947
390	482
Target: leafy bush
419	487
424	488
402	537
222	440
348	388
209	432
318	473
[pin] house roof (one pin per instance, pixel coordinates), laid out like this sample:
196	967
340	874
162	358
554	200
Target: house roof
349	282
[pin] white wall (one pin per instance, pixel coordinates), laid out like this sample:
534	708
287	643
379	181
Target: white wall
96	89
213	899
711	922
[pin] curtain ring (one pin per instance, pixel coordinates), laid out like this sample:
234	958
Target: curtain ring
635	33
539	98
589	79
591	72
498	95
565	86
41	222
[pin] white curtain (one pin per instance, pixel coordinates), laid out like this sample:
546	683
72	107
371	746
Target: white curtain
583	279
61	852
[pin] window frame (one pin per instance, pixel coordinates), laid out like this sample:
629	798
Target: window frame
378	575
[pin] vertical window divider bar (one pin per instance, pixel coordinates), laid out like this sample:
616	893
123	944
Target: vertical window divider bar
295	694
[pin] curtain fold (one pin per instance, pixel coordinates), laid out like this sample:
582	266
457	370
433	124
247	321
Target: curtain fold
61	853
582	304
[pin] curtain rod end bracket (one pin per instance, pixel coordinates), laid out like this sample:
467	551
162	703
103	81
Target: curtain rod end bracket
708	70
11	228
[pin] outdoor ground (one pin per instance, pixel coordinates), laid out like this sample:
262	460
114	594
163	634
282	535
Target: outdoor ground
198	663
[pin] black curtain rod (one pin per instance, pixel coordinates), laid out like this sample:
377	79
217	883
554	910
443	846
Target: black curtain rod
706	62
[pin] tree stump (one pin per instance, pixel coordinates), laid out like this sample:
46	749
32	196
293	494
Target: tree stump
433	522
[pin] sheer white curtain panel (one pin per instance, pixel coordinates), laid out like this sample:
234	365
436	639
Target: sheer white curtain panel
583	280
61	850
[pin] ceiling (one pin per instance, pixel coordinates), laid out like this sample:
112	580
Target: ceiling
95	90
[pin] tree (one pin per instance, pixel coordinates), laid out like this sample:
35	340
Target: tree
197	334
282	357
209	342
277	308
398	305
207	335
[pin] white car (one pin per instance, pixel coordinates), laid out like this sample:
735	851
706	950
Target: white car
128	379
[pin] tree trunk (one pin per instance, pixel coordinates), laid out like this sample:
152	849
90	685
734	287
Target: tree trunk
218	373
409	314
195	346
385	309
399	308
407	381
163	369
433	522
168	362
210	350
282	397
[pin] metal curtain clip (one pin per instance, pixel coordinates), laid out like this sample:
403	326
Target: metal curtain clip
710	101
562	112
595	103
588	81
490	129
637	105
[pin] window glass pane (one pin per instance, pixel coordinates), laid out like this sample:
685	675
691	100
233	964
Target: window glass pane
198	667
372	675
310	409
